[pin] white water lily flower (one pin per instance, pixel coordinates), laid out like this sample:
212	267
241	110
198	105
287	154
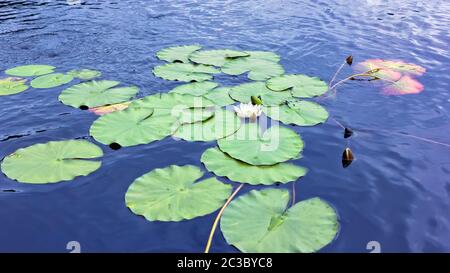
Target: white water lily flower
248	110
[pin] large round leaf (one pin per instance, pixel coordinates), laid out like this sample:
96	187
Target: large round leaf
96	93
223	165
177	53
216	57
133	126
195	88
172	194
191	115
52	162
258	69
85	74
12	85
185	72
30	70
223	123
51	80
298	112
173	101
220	96
249	144
261	222
245	91
302	86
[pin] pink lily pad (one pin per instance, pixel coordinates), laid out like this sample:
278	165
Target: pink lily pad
405	85
383	72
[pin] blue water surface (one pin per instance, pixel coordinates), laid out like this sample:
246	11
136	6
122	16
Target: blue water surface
396	192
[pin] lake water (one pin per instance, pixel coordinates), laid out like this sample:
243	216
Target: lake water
396	192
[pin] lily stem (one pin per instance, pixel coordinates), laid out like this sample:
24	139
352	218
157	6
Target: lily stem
336	73
216	221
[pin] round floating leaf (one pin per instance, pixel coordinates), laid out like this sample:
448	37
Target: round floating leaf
393	65
261	222
195	88
302	86
223	165
220	96
177	53
298	112
96	93
173	101
171	194
12	85
258	69
191	115
378	71
216	57
404	86
133	126
30	70
222	124
52	162
185	72
51	80
85	74
264	55
243	93
249	144
102	110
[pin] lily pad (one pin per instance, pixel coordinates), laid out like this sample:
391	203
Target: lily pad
177	53
243	93
52	162
103	110
172	194
96	93
216	57
249	144
298	112
133	126
223	123
85	74
191	115
12	85
173	101
404	86
261	222
51	80
302	86
195	88
30	70
393	65
220	96
223	165
258	69
185	72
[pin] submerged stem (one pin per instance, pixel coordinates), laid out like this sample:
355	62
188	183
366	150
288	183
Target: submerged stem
216	221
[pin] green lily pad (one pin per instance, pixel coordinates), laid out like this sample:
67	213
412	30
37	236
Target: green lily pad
96	93
195	88
220	96
302	86
133	126
223	165
52	162
261	222
172	194
275	145
223	123
298	112
173	101
85	74
243	93
191	115
12	85
264	55
216	57
185	72
258	70
30	70
177	53
51	80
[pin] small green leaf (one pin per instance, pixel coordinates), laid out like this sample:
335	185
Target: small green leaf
30	70
12	85
177	53
51	80
215	57
185	72
302	86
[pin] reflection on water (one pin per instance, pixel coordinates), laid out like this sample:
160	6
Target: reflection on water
395	193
